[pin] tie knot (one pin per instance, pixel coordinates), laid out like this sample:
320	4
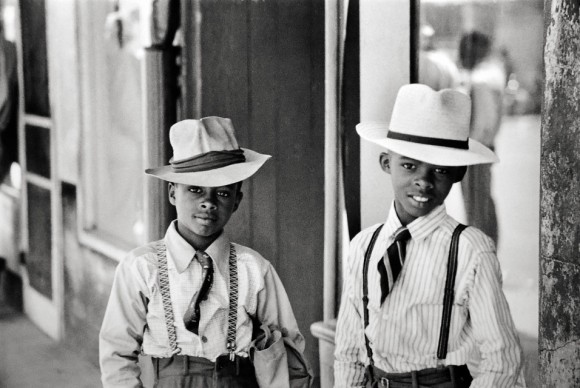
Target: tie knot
402	234
203	259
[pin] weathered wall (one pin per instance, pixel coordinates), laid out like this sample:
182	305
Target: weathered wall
559	337
88	280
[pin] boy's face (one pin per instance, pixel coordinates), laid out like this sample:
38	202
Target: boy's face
419	187
202	212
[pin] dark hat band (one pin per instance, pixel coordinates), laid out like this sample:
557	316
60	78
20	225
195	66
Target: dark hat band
208	161
460	144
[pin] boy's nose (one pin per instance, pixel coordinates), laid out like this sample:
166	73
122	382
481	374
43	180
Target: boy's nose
424	182
208	204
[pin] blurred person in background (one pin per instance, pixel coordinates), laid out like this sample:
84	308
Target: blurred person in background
483	78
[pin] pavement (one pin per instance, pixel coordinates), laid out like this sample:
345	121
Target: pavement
30	359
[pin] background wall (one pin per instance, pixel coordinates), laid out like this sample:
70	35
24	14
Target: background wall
385	67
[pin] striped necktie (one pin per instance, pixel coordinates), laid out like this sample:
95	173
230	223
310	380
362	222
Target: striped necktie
396	255
192	314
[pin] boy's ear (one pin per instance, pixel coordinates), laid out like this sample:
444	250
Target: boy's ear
385	162
171	192
460	173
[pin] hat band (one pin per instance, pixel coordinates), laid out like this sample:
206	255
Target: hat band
460	144
208	161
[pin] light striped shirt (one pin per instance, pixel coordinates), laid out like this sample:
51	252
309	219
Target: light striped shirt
404	331
134	320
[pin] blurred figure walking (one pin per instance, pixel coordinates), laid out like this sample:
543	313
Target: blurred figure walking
483	78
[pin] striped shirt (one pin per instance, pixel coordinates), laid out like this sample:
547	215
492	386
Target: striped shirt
404	330
134	320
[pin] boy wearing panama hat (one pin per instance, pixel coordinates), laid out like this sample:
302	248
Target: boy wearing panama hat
190	299
422	294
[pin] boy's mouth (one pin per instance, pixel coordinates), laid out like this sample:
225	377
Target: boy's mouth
205	219
420	198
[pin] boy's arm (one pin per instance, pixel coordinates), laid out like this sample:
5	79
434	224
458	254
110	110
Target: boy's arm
122	330
494	329
349	369
274	308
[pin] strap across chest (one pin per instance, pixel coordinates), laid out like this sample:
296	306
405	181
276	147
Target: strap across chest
447	298
164	288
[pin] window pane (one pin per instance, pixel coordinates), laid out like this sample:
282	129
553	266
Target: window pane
32	18
38	150
39	260
118	182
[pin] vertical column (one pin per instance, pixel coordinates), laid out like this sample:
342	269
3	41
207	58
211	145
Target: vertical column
559	337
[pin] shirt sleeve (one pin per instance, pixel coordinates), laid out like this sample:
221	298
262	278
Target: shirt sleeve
349	367
494	329
274	308
122	330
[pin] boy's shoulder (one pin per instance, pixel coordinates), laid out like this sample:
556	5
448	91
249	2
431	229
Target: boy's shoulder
145	255
247	254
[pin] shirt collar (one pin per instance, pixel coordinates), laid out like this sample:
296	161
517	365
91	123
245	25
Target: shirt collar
419	228
181	253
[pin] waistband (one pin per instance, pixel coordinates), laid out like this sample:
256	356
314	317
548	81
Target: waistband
180	365
449	376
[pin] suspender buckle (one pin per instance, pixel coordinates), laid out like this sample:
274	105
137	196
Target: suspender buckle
384	382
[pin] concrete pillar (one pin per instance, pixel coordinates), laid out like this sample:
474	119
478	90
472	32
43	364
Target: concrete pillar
559	337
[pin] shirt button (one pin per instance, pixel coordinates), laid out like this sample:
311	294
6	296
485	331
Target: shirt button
203	339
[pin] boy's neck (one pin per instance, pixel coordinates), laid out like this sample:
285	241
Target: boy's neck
196	241
403	223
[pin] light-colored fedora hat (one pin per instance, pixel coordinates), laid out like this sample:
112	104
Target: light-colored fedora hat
429	126
206	153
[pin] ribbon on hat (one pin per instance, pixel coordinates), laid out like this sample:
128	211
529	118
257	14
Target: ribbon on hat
460	144
208	161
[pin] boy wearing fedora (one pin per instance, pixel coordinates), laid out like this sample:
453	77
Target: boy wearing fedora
189	300
422	293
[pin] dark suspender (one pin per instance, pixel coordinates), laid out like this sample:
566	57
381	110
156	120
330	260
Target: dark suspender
365	293
449	293
447	298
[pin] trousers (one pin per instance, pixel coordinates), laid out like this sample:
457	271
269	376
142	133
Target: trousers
187	371
451	376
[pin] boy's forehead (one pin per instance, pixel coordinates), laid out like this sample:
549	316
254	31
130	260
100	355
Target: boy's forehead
410	159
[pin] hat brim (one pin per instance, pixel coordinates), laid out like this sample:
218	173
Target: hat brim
477	153
222	176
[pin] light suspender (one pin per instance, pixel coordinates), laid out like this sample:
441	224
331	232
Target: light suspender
166	296
447	298
168	308
233	310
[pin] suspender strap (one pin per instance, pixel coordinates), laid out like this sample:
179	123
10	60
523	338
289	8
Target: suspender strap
168	308
365	298
449	293
166	295
233	310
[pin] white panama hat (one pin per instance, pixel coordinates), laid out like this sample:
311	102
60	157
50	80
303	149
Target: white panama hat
429	126
206	153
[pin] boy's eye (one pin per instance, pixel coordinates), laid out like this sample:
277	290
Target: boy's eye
408	166
195	189
224	194
442	170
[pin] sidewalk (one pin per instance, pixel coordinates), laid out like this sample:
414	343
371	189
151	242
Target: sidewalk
31	359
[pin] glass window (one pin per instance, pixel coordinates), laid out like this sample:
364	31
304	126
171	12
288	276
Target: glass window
112	175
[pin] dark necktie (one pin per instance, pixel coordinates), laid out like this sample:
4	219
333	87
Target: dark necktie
396	255
192	314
